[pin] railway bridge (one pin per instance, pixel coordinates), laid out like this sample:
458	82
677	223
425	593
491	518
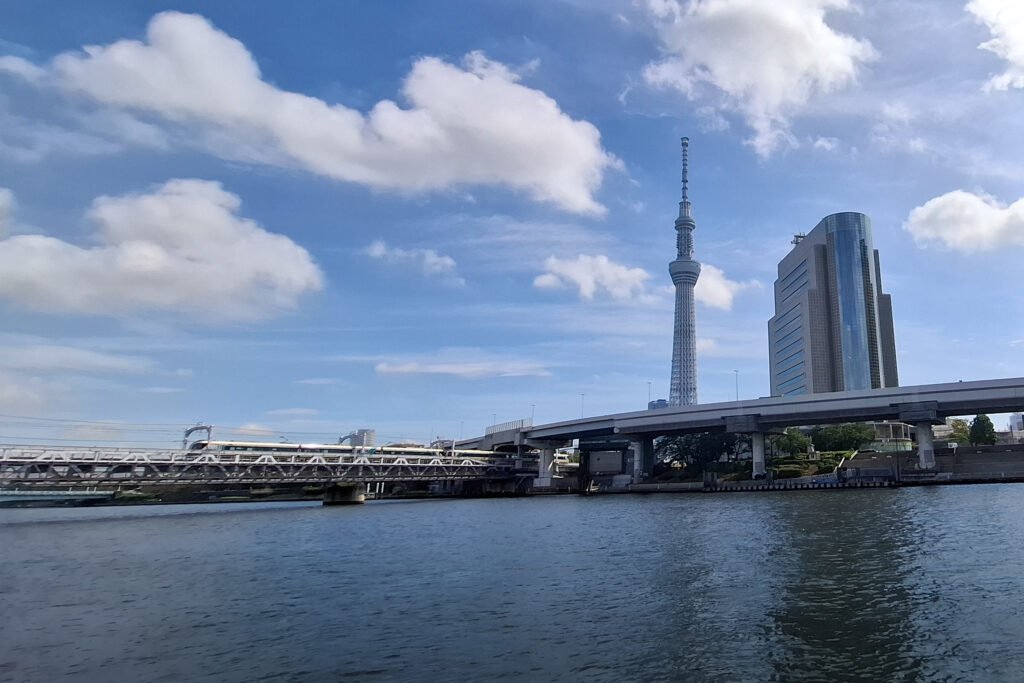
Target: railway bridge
343	471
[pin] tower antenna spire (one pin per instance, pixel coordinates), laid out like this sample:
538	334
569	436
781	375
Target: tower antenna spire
686	170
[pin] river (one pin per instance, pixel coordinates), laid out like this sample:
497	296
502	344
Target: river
917	584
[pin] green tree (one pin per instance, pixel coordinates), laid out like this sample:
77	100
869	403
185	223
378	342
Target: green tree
694	451
848	436
982	430
792	442
961	431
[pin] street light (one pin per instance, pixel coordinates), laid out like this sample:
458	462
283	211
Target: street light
533	409
737	385
581	405
648	393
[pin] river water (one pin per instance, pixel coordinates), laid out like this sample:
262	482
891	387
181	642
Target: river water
920	584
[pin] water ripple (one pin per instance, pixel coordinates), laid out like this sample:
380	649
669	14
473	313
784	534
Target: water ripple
881	585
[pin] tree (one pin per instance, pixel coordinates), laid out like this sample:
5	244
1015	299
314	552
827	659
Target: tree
694	450
848	436
961	432
793	441
982	430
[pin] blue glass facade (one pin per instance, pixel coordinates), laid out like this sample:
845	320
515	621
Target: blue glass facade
849	241
832	330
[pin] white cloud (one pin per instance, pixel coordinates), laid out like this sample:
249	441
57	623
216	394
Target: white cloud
162	390
253	429
473	124
19	392
1005	20
705	345
427	261
827	144
51	358
28	140
967	222
179	248
593	274
293	412
317	381
464	363
6	205
22	68
31	375
716	290
765	60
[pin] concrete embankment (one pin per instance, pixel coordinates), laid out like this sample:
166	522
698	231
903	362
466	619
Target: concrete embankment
699	487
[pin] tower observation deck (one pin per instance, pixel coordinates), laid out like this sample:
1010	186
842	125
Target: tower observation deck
684	271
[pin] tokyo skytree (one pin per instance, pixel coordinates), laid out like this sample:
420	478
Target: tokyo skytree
684	271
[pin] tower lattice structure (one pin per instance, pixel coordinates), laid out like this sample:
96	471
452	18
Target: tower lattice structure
684	271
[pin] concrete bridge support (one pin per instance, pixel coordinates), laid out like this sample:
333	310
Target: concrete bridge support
925	446
757	451
345	494
545	468
922	415
643	458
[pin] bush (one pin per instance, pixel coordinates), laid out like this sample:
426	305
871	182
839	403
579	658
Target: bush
789	472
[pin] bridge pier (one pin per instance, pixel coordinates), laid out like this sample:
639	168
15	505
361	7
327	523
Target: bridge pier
545	466
643	458
925	446
345	494
757	452
922	415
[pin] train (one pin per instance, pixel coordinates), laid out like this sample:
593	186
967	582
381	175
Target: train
207	445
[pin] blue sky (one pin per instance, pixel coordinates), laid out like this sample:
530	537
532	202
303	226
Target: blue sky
424	216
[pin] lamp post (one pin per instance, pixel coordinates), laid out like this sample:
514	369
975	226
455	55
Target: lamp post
737	385
648	393
533	409
581	405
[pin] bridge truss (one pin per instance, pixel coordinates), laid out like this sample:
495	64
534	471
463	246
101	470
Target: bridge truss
44	466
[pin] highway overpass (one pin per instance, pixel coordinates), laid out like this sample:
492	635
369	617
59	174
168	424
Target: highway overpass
922	405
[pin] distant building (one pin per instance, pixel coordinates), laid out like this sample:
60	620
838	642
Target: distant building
360	437
832	329
659	403
891	436
1016	434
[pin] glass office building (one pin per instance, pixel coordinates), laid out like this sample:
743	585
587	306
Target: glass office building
832	329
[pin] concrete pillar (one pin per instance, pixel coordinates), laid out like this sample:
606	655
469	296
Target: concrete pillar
638	461
643	458
757	451
925	446
345	494
545	468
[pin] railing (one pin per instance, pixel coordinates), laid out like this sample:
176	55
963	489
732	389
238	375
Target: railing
524	423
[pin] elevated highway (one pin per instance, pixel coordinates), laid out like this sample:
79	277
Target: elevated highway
922	405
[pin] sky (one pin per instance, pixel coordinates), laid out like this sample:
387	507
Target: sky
426	217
